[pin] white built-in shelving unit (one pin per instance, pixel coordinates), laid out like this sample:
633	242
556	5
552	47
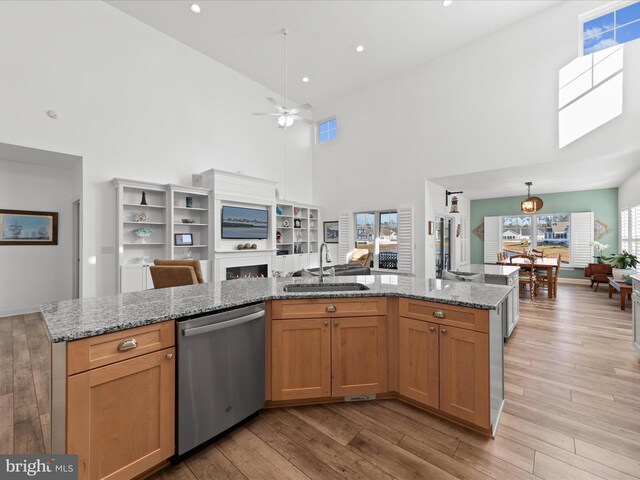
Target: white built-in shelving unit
165	209
297	236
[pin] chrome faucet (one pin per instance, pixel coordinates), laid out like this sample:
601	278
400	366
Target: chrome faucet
327	259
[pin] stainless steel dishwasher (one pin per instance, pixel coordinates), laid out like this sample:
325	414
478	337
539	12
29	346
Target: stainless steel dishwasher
220	373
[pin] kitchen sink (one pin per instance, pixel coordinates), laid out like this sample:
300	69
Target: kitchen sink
324	287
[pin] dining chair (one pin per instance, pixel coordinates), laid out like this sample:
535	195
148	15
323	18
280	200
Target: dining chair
527	276
543	281
538	253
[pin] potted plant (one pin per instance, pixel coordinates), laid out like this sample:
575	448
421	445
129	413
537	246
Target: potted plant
623	264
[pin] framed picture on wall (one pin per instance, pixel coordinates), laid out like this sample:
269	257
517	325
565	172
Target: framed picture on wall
331	232
26	227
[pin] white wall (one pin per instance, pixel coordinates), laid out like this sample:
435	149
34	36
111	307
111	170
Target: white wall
35	274
488	105
629	191
134	103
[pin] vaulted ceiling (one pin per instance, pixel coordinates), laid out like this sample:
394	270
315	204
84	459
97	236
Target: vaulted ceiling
397	35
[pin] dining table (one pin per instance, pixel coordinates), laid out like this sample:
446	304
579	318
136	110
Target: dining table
540	263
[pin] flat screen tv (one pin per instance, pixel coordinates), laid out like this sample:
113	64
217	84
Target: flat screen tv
244	223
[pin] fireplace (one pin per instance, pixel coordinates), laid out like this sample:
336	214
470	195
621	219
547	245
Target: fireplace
247	271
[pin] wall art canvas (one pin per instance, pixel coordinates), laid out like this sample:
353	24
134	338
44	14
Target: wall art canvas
331	232
25	227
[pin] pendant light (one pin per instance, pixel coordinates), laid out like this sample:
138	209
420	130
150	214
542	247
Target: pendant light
530	204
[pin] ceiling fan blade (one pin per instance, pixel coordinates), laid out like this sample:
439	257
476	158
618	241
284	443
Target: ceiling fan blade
299	108
302	119
269	114
273	102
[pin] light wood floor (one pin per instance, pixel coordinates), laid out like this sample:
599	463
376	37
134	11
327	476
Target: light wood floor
572	412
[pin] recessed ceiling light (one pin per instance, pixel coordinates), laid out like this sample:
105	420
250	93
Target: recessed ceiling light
195	8
305	79
447	3
360	48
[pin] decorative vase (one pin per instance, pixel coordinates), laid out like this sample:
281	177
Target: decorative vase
144	199
598	259
189	202
143	233
619	272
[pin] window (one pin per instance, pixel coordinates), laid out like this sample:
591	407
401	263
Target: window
603	30
549	233
378	228
630	230
327	130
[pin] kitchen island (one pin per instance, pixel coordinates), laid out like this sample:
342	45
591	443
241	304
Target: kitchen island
432	343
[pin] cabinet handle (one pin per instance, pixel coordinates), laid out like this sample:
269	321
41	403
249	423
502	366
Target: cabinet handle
432	329
128	344
444	330
169	356
336	323
331	308
438	314
325	323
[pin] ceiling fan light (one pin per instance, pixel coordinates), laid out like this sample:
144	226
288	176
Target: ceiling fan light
285	121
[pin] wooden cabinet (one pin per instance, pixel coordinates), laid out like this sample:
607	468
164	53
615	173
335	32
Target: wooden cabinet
359	356
464	375
121	415
301	359
323	348
419	373
445	365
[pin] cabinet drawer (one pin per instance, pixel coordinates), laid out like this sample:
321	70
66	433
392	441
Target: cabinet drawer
469	318
92	352
329	307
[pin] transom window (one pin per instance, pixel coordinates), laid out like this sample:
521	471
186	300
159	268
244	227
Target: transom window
604	30
327	130
378	228
550	234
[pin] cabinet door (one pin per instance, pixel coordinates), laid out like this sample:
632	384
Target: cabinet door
418	361
121	420
300	359
464	374
515	309
133	278
359	355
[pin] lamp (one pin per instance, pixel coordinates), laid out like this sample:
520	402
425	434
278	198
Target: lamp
530	204
454	201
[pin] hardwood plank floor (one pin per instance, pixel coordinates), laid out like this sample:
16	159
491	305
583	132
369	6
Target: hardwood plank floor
572	411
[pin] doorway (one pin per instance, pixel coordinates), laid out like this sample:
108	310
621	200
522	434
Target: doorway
443	245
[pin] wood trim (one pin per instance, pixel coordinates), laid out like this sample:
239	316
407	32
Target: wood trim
317	307
463	317
392	344
267	350
102	350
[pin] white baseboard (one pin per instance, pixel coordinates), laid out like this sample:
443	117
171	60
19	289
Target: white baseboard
575	281
19	311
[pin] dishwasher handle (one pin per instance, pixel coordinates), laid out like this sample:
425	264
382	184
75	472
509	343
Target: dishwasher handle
188	332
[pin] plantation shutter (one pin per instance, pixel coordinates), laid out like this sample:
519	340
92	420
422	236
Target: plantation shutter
461	242
581	238
624	229
492	239
634	241
345	241
405	240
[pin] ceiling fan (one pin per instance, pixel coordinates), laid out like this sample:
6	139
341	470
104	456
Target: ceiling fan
286	114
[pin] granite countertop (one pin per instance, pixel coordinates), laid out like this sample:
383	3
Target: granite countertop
490	270
74	319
